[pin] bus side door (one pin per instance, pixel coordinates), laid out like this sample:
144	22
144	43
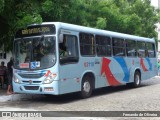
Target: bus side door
69	62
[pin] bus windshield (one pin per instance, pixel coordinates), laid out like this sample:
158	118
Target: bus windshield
34	53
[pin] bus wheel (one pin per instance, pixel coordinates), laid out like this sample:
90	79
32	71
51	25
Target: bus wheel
86	87
137	79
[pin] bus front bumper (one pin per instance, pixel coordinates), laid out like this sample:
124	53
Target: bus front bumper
36	88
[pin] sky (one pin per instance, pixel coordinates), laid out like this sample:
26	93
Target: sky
154	3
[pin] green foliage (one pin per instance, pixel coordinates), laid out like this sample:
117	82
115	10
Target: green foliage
101	23
57	10
28	18
17	14
134	17
1	5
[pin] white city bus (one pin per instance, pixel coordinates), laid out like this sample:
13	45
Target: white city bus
56	58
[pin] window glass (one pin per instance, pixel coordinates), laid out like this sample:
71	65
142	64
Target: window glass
44	51
103	45
34	53
118	47
141	49
131	48
2	55
68	50
87	45
150	49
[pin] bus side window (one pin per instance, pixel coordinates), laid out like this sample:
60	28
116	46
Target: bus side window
141	49
118	46
68	50
150	48
62	50
130	48
103	44
87	44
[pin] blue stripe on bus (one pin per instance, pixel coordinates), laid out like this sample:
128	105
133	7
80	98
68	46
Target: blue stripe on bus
123	65
149	63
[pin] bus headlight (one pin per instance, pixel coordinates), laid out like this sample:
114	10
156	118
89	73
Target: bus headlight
49	79
16	80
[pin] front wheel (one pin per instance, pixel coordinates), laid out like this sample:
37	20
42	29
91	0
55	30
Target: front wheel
86	87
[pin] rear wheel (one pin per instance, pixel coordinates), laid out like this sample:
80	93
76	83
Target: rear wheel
86	87
137	80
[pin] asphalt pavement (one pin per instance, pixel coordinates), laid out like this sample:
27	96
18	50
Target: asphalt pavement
120	98
4	97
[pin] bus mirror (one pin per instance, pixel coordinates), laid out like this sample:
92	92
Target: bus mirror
61	38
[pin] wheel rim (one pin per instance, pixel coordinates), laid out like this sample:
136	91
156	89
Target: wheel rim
137	80
86	87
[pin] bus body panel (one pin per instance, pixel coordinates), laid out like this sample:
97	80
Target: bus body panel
119	75
108	71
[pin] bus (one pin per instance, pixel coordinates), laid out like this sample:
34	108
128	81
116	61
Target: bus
55	58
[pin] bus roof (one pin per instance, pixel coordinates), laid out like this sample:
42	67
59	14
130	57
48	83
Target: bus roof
79	28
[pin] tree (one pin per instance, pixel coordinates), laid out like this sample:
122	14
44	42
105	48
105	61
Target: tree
1	5
14	15
134	17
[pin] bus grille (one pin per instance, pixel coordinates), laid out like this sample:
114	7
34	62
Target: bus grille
31	87
24	81
31	75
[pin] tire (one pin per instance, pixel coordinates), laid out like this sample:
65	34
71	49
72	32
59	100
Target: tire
86	87
137	80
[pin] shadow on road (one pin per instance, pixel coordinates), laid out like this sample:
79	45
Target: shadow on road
98	92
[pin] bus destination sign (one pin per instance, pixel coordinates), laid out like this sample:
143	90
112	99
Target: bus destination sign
36	30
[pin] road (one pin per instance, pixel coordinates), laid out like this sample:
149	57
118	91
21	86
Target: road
121	98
